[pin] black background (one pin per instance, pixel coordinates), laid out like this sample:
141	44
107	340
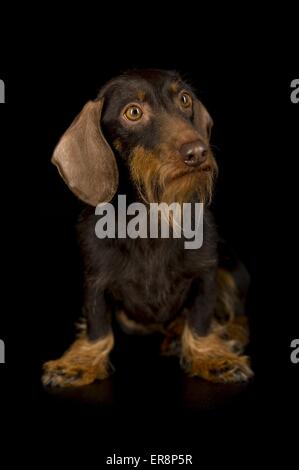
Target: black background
243	76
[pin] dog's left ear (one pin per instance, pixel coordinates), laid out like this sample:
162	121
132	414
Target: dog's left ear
84	158
202	119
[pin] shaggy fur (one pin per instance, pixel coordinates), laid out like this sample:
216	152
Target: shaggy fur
147	137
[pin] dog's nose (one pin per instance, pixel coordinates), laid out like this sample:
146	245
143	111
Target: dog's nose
194	153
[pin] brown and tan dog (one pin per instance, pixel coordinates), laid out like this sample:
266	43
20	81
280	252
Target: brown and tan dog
147	136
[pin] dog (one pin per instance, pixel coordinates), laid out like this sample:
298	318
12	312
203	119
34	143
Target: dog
147	136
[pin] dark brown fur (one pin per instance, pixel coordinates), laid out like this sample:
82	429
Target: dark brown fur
150	284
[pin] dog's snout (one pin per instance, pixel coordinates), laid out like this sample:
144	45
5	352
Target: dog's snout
194	153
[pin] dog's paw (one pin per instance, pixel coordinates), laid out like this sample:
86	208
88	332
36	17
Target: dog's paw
213	358
62	373
233	370
230	369
83	363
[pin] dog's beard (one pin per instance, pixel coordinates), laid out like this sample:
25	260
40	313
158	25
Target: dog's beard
163	180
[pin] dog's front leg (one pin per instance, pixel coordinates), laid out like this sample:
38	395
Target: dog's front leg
88	357
203	352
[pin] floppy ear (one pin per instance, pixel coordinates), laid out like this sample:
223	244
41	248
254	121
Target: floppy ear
84	158
202	119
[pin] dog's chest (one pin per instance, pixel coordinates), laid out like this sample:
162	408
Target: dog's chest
155	281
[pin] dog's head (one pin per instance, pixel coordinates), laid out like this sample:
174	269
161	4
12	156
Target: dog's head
154	123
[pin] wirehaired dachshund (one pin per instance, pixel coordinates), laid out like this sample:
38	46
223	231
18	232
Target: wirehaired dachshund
147	136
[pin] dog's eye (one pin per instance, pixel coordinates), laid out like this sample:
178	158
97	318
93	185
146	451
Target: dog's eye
133	113
185	100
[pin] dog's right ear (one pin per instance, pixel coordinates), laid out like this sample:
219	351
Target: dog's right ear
84	158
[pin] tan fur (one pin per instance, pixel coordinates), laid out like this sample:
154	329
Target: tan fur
174	86
171	344
226	295
84	362
141	95
232	328
132	327
117	145
211	358
237	330
161	177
